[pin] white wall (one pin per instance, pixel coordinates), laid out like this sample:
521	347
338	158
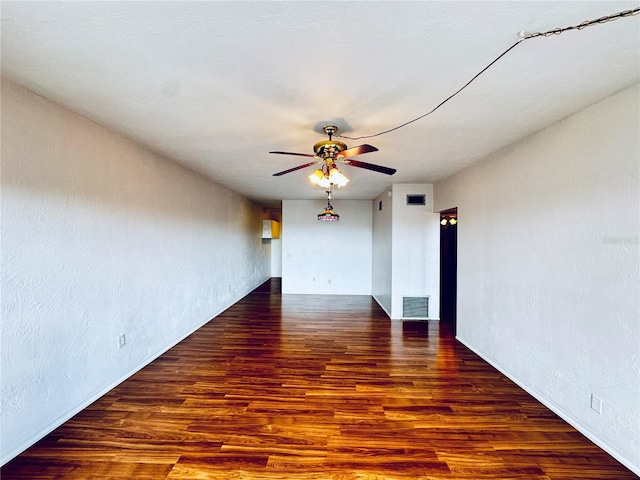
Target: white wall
314	253
548	267
416	249
406	249
276	257
101	237
382	261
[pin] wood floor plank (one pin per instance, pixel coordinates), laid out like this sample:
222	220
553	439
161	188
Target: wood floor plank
295	387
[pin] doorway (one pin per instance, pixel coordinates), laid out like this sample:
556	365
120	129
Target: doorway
448	266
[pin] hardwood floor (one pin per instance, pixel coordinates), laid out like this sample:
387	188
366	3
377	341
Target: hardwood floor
315	387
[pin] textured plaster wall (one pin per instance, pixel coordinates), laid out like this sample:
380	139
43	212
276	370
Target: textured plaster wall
326	257
406	249
382	262
276	257
101	237
415	249
548	267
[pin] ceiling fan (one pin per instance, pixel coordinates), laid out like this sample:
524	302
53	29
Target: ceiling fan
329	153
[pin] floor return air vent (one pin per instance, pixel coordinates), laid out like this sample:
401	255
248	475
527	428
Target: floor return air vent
415	307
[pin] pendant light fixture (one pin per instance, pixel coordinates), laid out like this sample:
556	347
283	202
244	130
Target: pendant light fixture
328	215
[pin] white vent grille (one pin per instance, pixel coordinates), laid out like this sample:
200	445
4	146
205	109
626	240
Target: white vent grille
415	307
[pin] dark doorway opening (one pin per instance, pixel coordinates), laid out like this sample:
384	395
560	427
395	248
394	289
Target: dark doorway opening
448	266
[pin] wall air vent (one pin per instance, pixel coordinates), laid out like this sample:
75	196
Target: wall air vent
417	199
415	307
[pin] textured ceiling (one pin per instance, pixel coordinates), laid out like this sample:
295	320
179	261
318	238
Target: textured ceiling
217	85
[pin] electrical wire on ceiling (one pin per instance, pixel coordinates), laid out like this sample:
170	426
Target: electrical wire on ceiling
523	36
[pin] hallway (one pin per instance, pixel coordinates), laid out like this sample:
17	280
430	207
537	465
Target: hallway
315	387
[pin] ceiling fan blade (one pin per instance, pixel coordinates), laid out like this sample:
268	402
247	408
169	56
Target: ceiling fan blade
370	166
298	154
293	169
352	152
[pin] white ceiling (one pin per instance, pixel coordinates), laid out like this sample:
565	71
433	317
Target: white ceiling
217	85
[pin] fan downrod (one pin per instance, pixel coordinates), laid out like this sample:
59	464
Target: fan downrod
330	130
329	148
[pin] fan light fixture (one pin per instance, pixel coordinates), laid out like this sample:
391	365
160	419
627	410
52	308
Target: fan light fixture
326	177
328	215
336	177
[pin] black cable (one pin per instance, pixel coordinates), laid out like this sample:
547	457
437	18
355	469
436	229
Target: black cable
587	23
557	31
441	103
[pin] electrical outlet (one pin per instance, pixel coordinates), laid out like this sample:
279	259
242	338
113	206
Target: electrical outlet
596	404
122	340
229	287
329	281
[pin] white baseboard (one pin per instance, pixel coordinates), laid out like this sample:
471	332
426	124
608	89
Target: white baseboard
631	464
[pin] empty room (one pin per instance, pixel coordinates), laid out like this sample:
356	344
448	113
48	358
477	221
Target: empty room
320	240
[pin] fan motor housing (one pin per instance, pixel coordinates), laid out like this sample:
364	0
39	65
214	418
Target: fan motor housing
329	148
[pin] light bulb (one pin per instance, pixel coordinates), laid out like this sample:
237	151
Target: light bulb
316	177
336	177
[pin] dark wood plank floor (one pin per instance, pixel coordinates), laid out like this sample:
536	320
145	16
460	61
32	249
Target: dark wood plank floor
315	387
